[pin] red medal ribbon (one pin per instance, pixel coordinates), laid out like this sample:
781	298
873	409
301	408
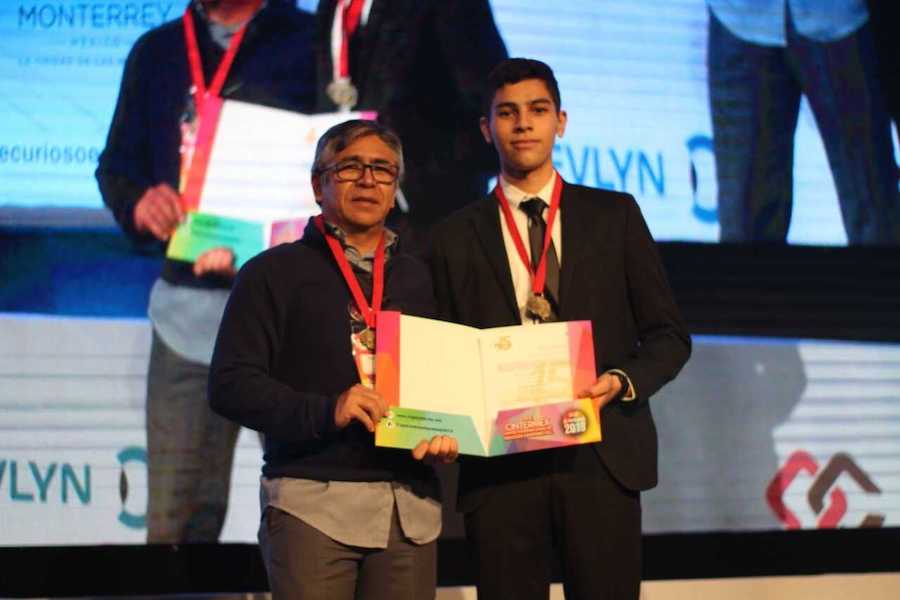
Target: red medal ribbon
196	64
350	15
537	279
368	312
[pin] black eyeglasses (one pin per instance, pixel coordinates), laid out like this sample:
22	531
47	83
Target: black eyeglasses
354	170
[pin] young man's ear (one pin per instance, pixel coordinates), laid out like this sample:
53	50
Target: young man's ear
561	127
485	125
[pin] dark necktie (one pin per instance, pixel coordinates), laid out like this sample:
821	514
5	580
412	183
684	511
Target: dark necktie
537	228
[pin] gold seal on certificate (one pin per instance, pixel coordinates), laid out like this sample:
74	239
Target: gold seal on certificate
538	307
343	93
367	338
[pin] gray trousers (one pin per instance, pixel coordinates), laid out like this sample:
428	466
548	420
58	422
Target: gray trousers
189	452
305	564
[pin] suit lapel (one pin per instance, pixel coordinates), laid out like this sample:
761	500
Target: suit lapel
486	222
579	231
368	44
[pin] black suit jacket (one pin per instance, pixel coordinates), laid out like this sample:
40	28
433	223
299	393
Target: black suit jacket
422	64
610	274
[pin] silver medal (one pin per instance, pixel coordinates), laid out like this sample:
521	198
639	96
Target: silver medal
343	93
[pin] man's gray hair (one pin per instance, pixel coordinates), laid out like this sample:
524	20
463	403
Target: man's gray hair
342	135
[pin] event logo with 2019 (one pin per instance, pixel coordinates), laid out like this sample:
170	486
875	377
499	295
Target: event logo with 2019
573	422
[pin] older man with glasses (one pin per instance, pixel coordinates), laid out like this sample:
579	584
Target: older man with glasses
341	519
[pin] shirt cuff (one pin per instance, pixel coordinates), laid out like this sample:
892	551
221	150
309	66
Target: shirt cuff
632	392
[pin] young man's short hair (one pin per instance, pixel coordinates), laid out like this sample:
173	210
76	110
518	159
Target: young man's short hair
340	136
514	70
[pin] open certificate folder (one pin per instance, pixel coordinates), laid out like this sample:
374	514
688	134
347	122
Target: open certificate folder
498	391
245	177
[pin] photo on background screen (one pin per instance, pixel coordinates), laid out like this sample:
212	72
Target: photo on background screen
656	105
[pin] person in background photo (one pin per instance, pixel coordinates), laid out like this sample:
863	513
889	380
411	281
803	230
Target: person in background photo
342	519
189	448
762	57
884	16
579	504
420	65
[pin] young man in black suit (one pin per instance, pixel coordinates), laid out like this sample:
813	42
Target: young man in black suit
581	504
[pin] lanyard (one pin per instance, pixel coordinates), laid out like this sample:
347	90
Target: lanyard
196	64
368	312
347	16
538	278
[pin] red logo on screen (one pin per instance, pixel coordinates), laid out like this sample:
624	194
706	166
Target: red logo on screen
827	515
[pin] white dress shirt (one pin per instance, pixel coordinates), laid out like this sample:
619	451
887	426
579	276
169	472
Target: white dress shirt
521	277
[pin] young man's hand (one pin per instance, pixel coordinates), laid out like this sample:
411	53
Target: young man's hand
604	390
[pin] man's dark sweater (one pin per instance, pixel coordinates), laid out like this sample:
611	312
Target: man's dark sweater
283	357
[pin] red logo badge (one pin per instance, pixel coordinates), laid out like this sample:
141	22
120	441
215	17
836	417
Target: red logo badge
823	485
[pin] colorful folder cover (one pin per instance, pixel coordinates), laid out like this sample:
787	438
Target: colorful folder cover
498	391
